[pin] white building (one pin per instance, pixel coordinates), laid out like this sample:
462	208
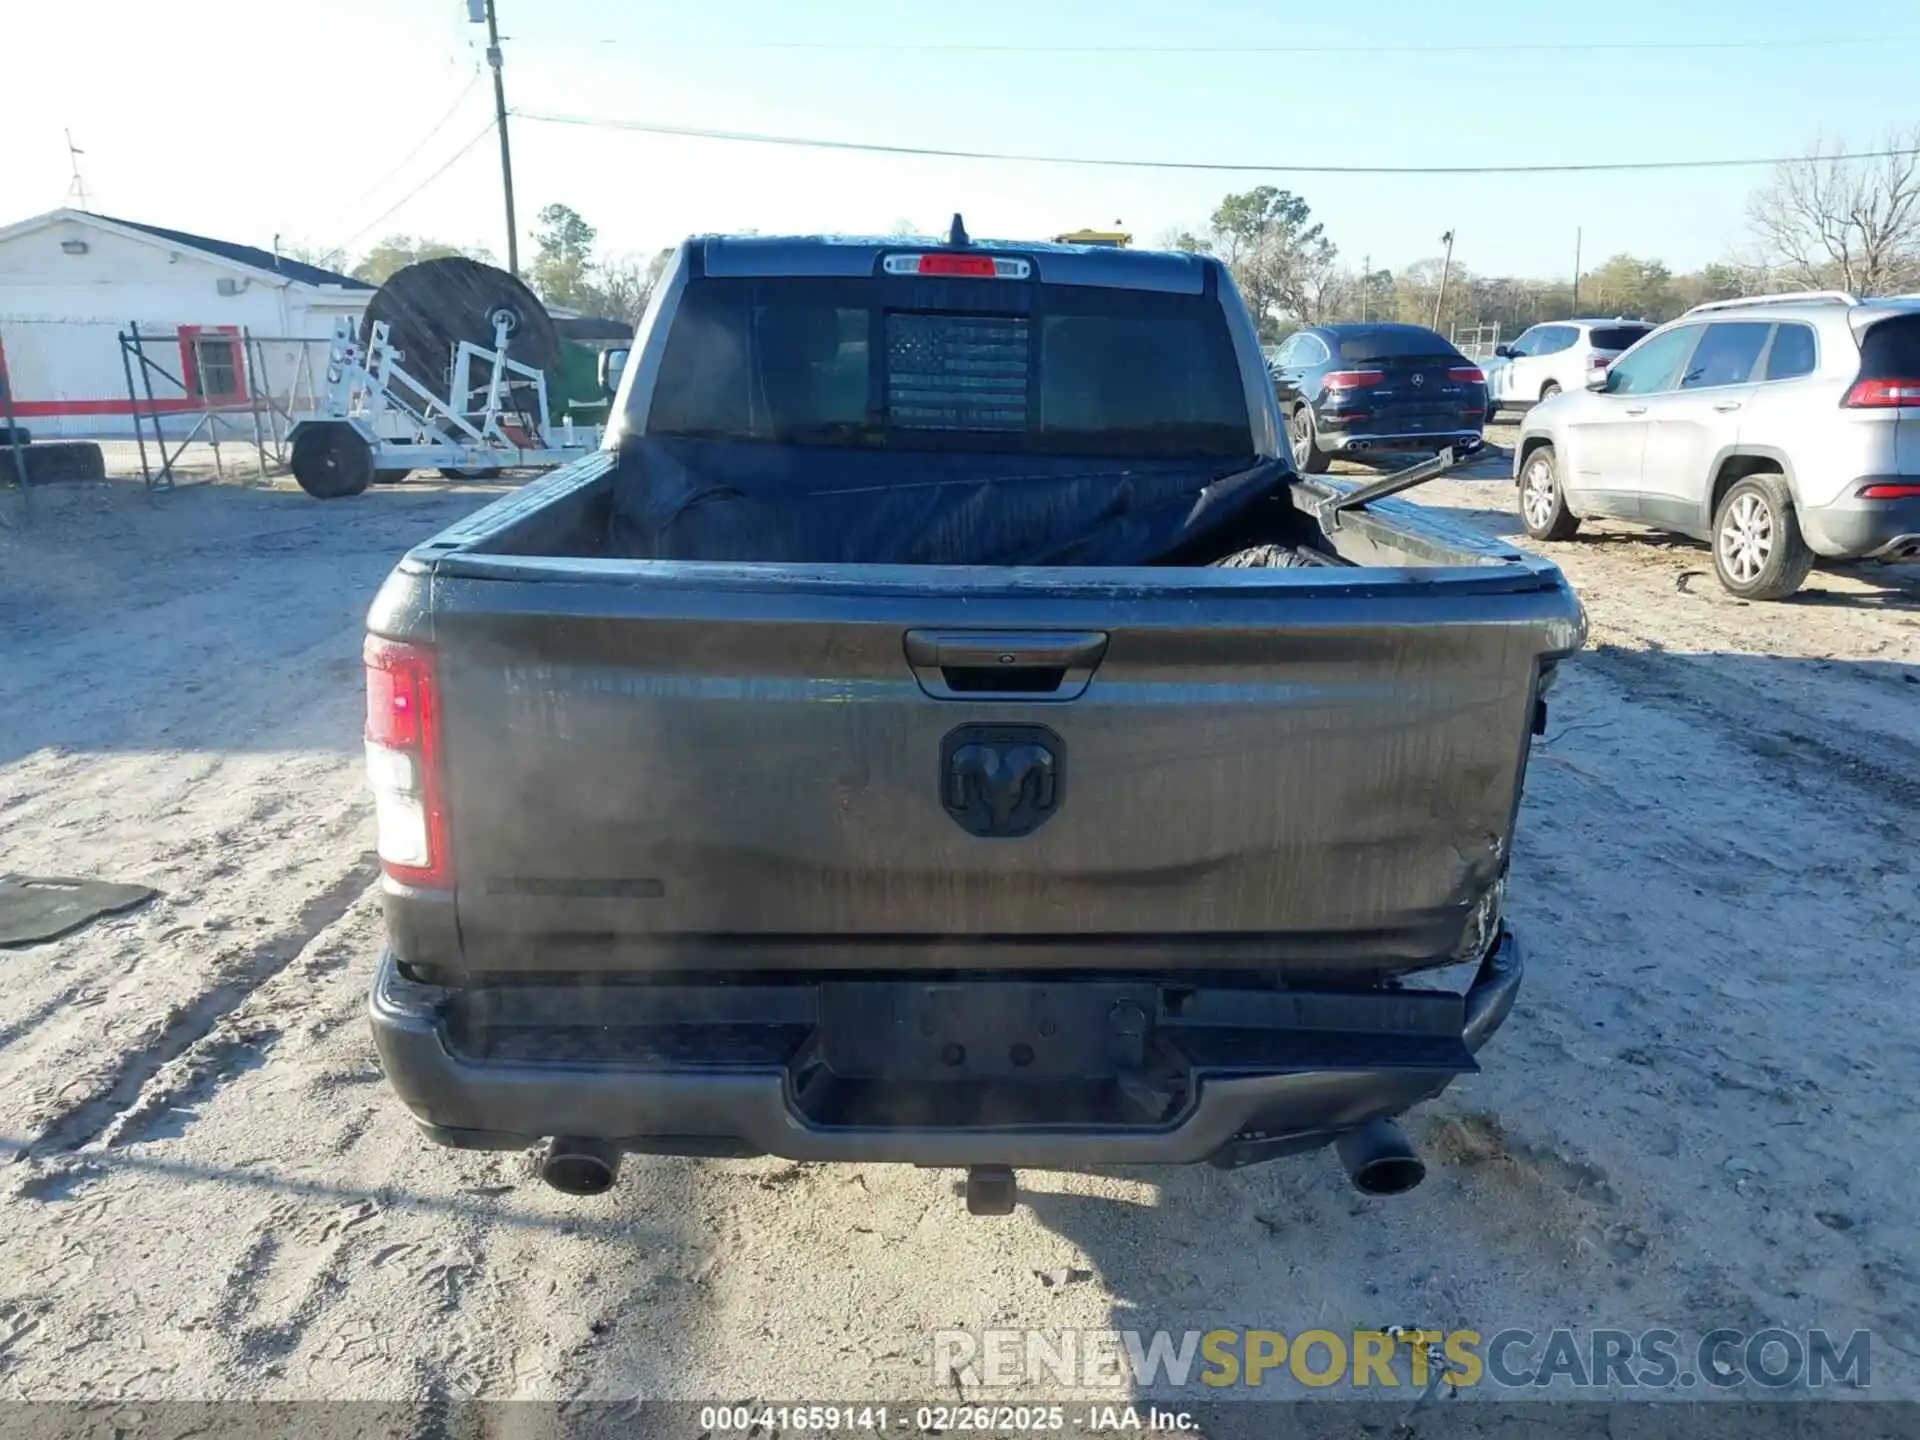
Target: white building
226	325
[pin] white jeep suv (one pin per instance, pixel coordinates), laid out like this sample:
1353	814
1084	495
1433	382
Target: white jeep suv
1778	429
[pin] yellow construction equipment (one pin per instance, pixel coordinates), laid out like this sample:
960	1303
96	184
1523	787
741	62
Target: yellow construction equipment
1118	239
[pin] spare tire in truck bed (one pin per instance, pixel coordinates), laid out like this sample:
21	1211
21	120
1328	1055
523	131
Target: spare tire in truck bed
1272	557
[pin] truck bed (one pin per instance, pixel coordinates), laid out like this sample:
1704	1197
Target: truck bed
667	769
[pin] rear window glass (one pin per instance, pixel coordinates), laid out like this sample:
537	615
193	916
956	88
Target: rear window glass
959	364
1616	337
1891	349
1397	343
1792	353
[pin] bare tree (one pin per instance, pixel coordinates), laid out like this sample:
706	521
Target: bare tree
1853	224
1326	291
625	284
327	257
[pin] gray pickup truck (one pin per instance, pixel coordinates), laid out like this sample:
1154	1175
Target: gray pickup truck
940	727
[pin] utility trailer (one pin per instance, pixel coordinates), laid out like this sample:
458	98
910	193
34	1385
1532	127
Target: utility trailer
378	422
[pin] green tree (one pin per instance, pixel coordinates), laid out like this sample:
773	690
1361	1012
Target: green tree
396	252
1279	255
1626	285
1373	296
563	269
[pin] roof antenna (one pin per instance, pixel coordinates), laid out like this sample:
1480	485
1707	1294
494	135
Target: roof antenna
958	234
77	188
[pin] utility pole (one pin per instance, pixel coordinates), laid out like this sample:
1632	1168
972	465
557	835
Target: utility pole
500	123
1366	285
1576	270
1446	267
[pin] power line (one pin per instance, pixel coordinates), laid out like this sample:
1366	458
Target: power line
748	137
1495	47
425	140
445	166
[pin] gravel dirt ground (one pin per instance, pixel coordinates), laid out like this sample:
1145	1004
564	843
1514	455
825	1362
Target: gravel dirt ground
1692	1120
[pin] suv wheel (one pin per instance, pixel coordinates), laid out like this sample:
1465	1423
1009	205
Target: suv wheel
1308	457
1550	389
1543	508
1758	550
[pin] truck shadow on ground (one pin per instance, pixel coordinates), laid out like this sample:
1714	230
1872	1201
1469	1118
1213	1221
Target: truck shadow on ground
1516	1220
1284	1247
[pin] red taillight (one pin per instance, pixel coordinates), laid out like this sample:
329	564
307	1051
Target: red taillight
1882	394
1467	375
404	763
950	263
1599	362
1353	379
394	686
981	265
1890	492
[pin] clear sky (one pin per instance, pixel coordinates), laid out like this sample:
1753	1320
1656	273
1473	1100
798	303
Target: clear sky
249	118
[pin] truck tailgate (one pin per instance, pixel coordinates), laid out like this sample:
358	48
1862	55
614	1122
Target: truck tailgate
705	767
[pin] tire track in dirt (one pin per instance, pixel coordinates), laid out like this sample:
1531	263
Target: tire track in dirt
1767	727
247	1033
94	1115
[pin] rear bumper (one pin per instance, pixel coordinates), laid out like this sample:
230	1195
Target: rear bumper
1854	528
1337	440
1264	1075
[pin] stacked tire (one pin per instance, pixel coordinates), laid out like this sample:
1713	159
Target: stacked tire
50	462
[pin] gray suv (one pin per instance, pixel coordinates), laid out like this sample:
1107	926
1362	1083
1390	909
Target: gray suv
1779	429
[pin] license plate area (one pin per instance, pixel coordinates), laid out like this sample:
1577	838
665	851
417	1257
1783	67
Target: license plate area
984	1030
1079	1053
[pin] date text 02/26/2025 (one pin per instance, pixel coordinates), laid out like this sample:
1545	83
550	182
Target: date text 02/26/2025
858	1419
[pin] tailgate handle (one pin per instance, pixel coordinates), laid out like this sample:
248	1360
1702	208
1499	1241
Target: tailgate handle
1005	665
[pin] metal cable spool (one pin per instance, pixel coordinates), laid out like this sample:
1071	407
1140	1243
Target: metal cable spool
431	306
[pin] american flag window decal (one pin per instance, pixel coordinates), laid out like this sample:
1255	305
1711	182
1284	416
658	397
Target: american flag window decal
957	372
